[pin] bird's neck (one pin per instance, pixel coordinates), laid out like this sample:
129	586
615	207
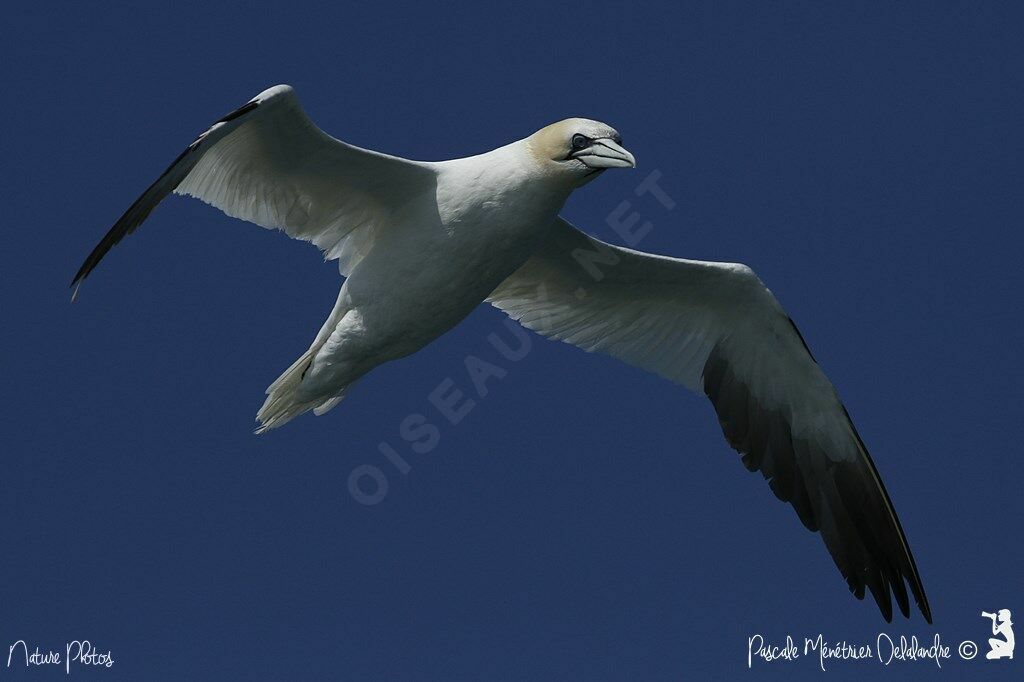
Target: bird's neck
511	175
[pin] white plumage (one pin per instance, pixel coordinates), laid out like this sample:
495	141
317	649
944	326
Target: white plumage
421	244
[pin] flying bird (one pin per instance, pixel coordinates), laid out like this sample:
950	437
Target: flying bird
421	244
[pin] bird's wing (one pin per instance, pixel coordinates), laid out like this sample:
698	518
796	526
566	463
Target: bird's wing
267	163
714	327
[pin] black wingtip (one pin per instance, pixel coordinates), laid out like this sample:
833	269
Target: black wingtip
83	272
925	607
240	111
147	201
880	591
89	263
902	601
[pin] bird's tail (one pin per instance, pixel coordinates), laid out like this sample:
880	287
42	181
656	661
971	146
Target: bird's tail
283	401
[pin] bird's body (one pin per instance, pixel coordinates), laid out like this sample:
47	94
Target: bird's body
422	244
442	253
430	275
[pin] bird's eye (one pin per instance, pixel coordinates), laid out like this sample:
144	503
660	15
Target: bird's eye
580	141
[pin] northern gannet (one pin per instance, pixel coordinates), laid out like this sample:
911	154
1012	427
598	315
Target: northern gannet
422	244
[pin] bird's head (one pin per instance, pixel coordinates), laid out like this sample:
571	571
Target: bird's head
578	149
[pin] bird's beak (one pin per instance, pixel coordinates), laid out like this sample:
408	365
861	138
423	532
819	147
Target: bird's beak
605	153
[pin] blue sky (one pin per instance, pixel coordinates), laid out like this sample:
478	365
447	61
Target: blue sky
585	520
